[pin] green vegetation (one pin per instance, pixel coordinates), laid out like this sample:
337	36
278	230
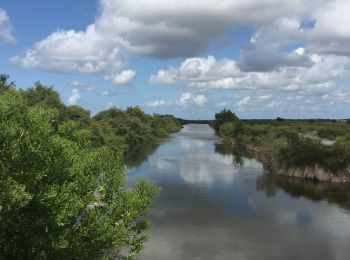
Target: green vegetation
224	116
293	147
62	180
191	121
117	128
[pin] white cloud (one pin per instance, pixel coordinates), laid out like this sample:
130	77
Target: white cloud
75	96
332	28
188	98
241	104
319	30
211	74
156	103
185	98
265	97
155	28
300	51
85	52
82	86
6	29
122	78
196	70
200	100
265	51
163	77
167	28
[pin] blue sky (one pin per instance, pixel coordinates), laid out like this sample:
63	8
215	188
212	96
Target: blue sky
188	58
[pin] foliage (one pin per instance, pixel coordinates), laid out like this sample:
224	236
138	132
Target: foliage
62	181
227	129
133	126
4	84
117	129
303	152
222	117
293	143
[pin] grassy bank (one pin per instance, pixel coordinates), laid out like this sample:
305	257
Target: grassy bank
294	148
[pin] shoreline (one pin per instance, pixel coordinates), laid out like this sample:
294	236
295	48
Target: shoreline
314	173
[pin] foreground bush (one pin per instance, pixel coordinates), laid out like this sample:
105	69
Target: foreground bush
61	197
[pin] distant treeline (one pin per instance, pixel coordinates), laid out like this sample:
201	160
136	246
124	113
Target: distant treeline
190	121
62	179
278	120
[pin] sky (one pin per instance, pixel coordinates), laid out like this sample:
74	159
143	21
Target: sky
189	58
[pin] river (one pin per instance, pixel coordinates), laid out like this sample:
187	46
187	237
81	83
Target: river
216	205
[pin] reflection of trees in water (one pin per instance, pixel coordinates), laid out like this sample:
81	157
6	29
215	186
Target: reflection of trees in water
139	153
337	193
237	151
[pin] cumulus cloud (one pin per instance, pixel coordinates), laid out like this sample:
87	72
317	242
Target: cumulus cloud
185	98
85	52
300	46
331	33
264	59
200	100
188	98
122	78
209	73
158	29
265	97
163	77
75	96
182	28
156	103
195	70
6	30
263	52
242	103
327	32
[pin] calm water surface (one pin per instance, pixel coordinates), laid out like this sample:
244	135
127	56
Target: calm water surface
215	205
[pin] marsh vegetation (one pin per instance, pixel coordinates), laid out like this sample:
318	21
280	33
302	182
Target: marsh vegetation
293	148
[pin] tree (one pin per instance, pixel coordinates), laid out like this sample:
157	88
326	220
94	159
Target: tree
61	198
222	117
4	84
227	129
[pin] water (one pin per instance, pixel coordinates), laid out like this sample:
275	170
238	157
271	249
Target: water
327	142
214	205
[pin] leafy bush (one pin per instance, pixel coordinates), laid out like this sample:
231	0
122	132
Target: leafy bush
227	129
222	117
62	187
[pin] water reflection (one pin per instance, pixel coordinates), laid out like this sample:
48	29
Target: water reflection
219	205
140	153
335	193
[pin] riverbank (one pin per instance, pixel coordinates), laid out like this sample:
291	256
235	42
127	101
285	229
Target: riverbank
315	173
291	148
